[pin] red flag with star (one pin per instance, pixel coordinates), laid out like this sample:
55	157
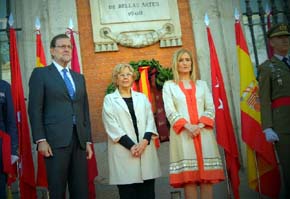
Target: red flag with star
26	168
224	126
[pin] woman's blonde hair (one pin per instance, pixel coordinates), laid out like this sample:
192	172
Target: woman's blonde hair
194	73
117	70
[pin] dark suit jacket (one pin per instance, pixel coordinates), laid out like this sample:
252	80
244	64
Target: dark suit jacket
8	116
51	109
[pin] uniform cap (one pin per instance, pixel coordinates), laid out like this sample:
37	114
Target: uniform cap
278	30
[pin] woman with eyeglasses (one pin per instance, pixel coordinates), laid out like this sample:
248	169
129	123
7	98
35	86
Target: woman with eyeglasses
130	125
194	157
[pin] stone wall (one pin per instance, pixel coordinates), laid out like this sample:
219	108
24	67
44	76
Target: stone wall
55	15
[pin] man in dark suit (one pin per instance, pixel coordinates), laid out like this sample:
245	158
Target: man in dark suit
59	116
274	83
8	133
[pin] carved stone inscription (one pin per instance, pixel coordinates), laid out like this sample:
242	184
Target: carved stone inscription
134	23
116	11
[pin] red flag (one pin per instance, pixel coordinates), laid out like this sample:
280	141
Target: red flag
224	127
75	64
262	164
41	178
26	168
92	163
92	173
6	152
134	86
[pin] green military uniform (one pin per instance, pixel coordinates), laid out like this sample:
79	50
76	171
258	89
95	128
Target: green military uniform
274	83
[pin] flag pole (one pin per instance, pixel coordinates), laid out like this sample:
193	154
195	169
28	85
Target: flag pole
258	176
227	177
92	163
206	21
44	192
279	166
26	175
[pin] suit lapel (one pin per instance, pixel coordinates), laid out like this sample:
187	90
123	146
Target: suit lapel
58	79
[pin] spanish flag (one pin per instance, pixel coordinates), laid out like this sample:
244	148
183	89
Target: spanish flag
41	178
144	87
144	84
40	55
263	171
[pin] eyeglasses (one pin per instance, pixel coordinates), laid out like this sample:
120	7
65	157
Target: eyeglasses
64	47
123	75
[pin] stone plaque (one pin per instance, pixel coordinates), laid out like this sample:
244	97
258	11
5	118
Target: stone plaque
134	23
116	11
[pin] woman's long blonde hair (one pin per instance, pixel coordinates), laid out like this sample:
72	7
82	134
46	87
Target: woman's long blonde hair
194	73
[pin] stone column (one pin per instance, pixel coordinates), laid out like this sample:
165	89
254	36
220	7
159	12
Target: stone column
221	16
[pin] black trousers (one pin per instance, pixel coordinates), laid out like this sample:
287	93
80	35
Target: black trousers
143	190
282	147
68	166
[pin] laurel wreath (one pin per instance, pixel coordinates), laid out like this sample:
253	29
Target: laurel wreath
162	74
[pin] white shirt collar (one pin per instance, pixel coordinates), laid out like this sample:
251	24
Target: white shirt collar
281	57
59	67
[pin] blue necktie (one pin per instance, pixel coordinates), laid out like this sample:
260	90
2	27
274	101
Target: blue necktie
68	83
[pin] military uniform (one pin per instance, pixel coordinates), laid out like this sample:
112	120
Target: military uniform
274	83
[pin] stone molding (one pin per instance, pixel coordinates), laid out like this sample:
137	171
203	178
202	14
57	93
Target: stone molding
135	31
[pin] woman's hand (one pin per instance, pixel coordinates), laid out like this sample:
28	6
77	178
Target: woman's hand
137	150
134	150
192	129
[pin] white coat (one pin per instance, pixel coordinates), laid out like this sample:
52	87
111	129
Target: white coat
183	154
123	167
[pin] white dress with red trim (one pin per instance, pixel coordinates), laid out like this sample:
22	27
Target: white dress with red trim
192	160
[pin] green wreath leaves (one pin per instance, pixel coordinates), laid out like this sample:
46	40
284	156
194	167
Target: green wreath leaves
162	74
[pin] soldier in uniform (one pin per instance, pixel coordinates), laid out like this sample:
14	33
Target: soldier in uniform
8	134
274	83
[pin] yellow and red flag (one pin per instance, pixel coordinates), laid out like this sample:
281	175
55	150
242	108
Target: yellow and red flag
144	87
263	171
40	55
41	178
